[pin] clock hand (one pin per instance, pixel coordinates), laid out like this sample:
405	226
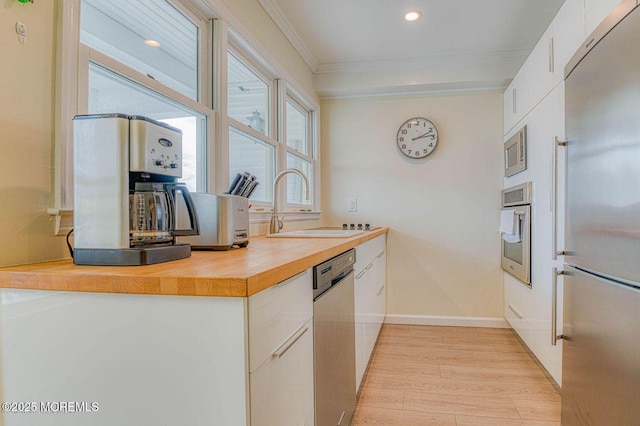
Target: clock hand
424	135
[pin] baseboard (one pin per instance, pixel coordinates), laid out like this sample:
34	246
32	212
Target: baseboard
446	321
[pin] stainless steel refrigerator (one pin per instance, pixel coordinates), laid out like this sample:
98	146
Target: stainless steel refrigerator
601	351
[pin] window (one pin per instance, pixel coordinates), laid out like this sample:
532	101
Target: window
151	37
110	92
248	96
256	145
247	153
251	147
299	150
156	58
139	58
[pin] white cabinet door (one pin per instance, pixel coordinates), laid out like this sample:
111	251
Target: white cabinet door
370	300
541	138
282	387
276	313
517	301
568	35
596	11
540	64
380	296
360	308
145	359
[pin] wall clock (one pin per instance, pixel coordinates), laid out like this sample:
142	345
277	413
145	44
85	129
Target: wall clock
417	137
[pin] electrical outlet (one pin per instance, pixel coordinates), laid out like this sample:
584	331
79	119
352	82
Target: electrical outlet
352	204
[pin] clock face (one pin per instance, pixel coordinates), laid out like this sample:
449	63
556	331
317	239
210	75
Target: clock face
417	137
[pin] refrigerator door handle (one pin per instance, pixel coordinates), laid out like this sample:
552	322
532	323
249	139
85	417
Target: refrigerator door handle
554	307
554	201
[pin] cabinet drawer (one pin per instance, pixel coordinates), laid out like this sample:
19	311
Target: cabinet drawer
282	387
517	306
276	313
379	245
367	252
364	255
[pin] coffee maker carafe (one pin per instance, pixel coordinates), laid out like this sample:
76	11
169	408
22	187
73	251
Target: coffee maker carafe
126	193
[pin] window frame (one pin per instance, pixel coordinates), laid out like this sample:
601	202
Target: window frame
280	94
218	31
310	148
73	61
271	138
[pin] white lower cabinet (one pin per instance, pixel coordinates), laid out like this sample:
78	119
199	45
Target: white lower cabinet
281	353
370	300
161	360
516	307
282	387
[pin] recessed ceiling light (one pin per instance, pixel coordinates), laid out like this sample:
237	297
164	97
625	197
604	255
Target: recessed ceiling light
412	15
152	43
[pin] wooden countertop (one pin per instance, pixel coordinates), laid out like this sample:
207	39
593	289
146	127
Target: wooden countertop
233	273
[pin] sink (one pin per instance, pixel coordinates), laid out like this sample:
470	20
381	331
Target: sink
318	233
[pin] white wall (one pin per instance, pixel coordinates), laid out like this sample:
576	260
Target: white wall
443	246
26	127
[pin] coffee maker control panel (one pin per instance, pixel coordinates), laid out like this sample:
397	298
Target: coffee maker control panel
155	147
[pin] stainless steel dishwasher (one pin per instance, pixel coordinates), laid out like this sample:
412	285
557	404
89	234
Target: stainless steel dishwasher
334	340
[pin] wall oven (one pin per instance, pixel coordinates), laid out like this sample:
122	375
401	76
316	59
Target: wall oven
515	227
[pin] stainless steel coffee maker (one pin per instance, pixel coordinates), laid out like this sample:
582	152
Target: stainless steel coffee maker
126	193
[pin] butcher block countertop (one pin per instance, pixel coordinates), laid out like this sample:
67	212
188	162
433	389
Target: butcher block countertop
234	273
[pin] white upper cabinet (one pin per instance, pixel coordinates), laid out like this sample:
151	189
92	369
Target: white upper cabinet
568	35
540	69
596	11
532	83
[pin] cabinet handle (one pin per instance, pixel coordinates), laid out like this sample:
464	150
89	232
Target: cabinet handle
513	94
557	143
289	343
554	306
380	291
380	255
361	273
369	266
290	279
515	312
551	64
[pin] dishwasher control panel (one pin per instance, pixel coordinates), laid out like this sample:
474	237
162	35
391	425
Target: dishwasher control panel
330	272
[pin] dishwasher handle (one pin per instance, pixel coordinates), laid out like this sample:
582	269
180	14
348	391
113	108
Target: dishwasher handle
342	275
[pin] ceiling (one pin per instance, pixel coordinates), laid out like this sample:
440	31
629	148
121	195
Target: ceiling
359	47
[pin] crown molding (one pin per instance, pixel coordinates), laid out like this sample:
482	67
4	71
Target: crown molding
506	57
273	9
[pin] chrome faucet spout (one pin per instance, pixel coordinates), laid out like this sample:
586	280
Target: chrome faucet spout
276	224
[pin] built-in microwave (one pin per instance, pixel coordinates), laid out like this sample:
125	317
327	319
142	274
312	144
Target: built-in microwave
515	153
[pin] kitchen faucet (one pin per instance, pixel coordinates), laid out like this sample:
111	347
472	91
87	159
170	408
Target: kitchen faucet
276	224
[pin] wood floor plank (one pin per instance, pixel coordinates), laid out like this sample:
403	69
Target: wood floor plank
388	417
464	376
381	397
492	421
468	405
533	409
526	375
465	387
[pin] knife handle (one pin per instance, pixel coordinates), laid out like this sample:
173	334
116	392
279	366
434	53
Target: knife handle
234	183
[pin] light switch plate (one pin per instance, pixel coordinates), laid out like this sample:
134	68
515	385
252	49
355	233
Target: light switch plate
352	204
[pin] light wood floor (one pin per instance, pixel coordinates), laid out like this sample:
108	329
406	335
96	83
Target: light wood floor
459	376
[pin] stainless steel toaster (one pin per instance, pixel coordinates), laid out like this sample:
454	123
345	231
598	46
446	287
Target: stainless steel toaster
223	219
